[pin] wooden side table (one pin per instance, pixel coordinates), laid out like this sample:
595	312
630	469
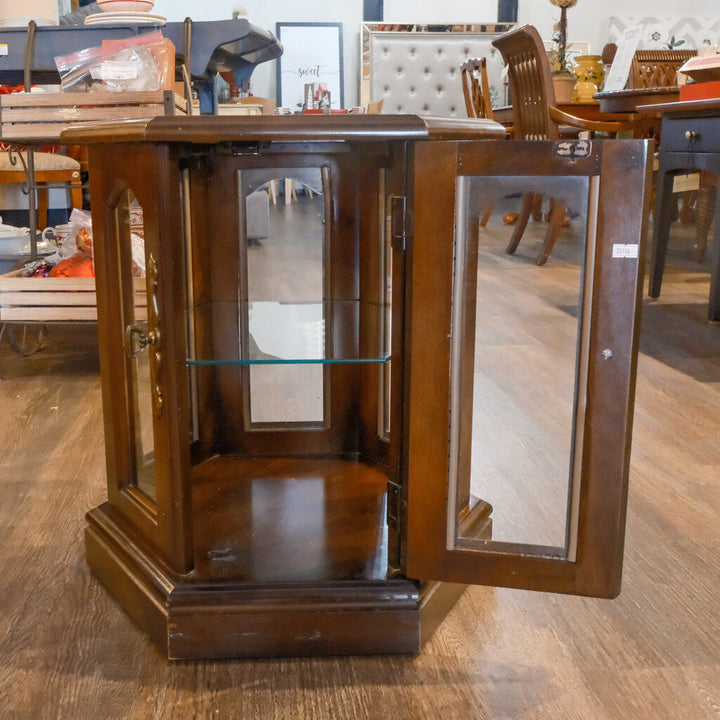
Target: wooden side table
690	141
288	443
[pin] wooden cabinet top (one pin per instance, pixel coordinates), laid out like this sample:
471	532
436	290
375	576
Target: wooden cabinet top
204	129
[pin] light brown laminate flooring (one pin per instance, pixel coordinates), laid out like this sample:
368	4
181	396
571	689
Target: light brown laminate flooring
67	650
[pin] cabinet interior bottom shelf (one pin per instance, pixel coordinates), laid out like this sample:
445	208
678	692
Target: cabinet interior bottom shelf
283	520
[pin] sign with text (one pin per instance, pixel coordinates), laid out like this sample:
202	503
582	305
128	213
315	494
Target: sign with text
620	69
312	54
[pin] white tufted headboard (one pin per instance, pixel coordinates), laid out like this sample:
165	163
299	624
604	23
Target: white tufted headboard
416	68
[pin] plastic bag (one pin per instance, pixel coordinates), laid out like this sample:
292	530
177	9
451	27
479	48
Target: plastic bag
83	238
135	64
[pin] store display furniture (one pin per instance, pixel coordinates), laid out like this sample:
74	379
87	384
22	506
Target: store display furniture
286	442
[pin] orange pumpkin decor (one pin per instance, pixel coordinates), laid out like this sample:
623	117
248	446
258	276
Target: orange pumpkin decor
77	265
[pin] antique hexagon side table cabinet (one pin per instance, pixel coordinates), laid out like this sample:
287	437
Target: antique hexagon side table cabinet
288	389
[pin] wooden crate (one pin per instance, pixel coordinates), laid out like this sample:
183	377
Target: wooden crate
44	115
24	299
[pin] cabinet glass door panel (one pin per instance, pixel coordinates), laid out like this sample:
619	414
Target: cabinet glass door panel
534	365
514	412
140	327
386	308
283	318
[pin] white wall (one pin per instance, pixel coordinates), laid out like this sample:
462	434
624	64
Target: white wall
586	21
456	11
265	13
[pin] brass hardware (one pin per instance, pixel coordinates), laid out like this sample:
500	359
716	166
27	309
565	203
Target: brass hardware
140	336
137	338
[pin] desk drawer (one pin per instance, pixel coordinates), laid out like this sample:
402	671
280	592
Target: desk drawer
706	134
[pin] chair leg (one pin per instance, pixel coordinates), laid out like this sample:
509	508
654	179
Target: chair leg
526	207
537	213
43	202
557	215
76	196
486	215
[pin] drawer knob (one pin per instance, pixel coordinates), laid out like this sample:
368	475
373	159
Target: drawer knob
691	135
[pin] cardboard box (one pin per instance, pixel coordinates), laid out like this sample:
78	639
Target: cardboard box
700	90
702	68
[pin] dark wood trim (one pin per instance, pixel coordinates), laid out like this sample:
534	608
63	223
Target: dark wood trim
192	621
616	285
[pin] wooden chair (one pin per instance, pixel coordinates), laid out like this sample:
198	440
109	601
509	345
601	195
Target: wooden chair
657	68
49	168
476	91
536	117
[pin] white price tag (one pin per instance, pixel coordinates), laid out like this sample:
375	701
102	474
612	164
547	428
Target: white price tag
115	70
4	49
621	250
686	182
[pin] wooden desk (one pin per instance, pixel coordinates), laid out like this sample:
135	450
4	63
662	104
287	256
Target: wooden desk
627	101
690	141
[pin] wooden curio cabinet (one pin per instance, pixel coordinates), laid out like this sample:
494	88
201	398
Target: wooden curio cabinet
314	436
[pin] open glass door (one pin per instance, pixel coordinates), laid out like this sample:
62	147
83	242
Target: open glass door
522	377
140	286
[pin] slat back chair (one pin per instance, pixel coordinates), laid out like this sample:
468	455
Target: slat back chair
536	117
657	68
476	91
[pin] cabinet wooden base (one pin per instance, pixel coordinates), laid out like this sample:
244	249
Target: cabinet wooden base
191	620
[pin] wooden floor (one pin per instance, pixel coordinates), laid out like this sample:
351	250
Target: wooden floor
68	651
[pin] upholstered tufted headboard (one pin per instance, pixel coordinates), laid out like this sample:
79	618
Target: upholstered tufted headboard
416	68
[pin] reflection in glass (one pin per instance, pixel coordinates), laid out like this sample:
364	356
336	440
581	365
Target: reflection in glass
132	266
386	270
516	330
284	317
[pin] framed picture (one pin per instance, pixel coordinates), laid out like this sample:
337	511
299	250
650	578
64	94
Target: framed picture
312	53
573	48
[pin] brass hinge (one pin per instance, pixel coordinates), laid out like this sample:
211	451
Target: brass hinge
400	222
394	508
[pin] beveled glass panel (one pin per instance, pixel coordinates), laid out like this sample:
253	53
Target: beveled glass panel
295	332
385	325
142	391
517	327
283	315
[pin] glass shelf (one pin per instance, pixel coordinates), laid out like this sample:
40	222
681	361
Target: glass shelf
290	361
297	333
